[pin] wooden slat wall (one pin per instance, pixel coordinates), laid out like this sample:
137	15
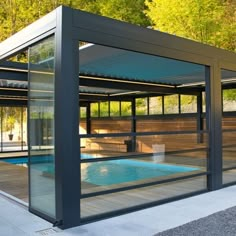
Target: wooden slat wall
145	143
172	124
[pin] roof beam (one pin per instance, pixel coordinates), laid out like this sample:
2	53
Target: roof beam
18	93
13	75
132	86
11	102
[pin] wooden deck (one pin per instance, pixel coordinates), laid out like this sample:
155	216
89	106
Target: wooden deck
120	200
14	181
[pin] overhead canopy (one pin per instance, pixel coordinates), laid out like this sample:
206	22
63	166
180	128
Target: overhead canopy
102	61
98	62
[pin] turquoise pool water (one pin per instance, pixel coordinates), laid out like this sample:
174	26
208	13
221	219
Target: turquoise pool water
113	172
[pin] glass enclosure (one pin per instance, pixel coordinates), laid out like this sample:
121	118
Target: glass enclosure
229	125
41	125
149	117
138	138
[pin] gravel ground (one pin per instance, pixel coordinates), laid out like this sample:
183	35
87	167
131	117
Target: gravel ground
222	223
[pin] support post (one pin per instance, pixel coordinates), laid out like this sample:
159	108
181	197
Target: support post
133	128
179	103
214	126
88	118
163	104
67	143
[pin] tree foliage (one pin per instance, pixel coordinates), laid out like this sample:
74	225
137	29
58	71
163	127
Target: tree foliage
17	14
131	11
208	21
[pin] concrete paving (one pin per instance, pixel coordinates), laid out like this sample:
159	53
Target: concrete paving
16	220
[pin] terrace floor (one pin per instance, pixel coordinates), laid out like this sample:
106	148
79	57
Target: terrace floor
14	181
16	220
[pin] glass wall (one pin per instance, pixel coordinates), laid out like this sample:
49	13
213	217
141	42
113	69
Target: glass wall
148	106
188	104
171	104
150	152
155	105
13	123
41	125
229	125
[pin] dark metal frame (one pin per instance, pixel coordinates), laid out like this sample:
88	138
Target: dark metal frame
70	26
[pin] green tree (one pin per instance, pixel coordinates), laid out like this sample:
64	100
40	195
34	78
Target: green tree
17	14
208	21
131	11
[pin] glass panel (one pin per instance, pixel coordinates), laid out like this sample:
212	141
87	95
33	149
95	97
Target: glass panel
148	158
114	108
83	123
229	124
104	109
188	104
41	121
155	105
229	176
141	106
83	112
134	159
229	145
12	129
126	109
229	100
171	104
94	109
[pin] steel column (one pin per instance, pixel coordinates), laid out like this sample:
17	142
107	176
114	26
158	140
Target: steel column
67	144
214	126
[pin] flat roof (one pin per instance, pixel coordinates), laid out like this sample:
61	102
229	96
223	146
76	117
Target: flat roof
103	25
135	58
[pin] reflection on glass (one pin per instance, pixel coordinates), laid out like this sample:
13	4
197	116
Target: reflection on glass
41	114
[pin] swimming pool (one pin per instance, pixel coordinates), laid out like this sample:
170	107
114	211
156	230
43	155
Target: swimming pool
112	172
